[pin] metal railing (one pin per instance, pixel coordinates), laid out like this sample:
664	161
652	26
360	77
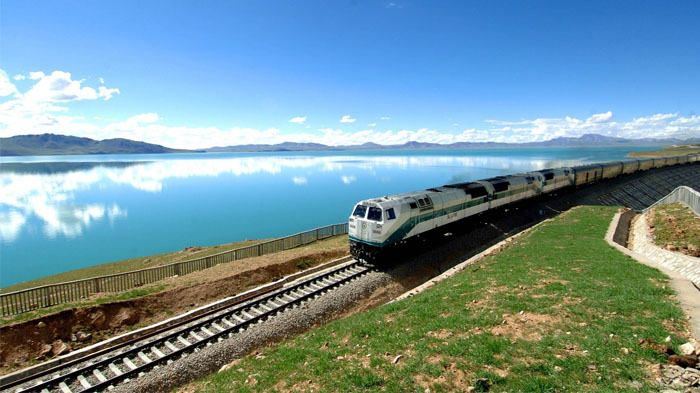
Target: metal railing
681	194
50	295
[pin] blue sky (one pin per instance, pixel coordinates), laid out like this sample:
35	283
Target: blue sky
198	74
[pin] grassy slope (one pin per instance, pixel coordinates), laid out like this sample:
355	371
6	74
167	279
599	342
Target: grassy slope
127	265
676	224
584	304
669	151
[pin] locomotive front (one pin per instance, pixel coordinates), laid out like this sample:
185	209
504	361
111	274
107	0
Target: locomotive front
370	227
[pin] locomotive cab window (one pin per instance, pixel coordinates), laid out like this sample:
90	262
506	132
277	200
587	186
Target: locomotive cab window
360	211
375	214
390	214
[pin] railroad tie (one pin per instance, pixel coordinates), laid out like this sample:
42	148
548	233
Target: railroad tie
237	318
229	323
84	382
170	346
207	331
157	352
115	369
144	358
129	363
100	377
196	336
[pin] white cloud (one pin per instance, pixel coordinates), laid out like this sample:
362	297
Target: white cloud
19	77
684	121
45	108
298	119
102	81
348	179
107	93
299	180
59	87
144	118
6	87
385	118
600	117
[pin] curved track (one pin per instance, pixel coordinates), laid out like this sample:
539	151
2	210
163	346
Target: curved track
100	371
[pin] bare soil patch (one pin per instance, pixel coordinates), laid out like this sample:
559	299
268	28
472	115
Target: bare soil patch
676	228
26	343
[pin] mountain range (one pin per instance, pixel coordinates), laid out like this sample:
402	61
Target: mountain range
582	141
53	144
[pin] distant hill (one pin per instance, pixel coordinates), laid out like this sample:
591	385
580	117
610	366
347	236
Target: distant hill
582	141
52	144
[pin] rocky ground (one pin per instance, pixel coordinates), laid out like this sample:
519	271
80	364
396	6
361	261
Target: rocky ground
681	373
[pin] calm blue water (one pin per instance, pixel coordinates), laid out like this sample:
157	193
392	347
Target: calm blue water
59	213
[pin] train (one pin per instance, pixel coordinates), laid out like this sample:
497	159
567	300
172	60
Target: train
378	224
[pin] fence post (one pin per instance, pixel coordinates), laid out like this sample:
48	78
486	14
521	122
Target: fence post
47	296
96	286
260	249
177	269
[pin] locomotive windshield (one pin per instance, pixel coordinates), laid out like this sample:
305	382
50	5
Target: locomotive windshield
375	214
360	211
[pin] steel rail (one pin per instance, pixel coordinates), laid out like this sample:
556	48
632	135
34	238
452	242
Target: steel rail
322	282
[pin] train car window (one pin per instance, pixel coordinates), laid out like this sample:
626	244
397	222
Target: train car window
413	205
390	214
548	176
428	201
498	187
477	191
360	211
421	202
375	214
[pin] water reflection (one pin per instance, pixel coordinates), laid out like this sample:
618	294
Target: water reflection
49	191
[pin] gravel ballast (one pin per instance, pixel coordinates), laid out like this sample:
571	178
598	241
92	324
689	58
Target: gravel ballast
287	324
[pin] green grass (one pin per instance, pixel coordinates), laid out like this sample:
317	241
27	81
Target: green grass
127	265
584	305
668	151
676	224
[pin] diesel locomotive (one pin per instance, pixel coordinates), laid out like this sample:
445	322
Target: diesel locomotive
377	224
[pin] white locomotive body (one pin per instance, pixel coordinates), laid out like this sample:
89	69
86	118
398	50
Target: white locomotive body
378	223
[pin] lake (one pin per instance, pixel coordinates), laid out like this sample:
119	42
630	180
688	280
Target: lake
59	213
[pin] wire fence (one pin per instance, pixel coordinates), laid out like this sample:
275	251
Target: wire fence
681	194
50	295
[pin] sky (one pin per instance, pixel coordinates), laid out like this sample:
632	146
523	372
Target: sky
192	74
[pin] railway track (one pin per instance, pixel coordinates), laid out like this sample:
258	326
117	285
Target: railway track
104	370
